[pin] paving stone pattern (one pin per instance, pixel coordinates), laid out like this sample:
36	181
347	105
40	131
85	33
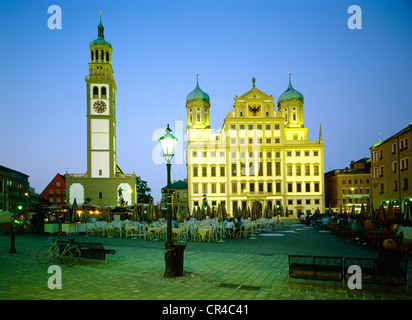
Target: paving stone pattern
237	269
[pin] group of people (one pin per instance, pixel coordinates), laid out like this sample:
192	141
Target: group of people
233	226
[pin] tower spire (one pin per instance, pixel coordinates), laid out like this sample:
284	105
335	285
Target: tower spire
100	28
320	133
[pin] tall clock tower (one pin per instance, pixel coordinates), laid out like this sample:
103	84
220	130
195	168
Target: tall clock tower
101	109
104	183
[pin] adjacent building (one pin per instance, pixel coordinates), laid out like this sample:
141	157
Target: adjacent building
179	190
349	187
14	190
262	154
104	183
55	191
390	169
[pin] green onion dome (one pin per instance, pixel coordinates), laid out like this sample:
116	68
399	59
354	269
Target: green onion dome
100	36
197	93
290	94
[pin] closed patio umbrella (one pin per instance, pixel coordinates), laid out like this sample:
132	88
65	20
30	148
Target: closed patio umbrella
381	214
362	211
109	215
371	213
390	213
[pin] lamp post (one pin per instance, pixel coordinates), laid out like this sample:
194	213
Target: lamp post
168	143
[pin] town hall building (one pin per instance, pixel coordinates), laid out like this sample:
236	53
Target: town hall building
262	154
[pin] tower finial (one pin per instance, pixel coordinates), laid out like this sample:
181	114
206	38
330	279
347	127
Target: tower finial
100	28
253	81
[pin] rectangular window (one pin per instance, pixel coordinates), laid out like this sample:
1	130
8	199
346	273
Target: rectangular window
222	171
251	169
290	187
195	173
234	187
195	188
252	187
269	168
278	187
277	168
233	169
270	187
213	187
260	187
213	171
204	171
222	188
307	170
204	187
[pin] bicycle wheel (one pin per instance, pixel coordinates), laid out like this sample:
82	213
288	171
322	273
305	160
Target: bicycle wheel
45	254
71	256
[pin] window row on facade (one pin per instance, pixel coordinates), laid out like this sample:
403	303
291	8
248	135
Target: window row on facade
378	172
404	185
255	187
99	56
252	168
242	154
403	146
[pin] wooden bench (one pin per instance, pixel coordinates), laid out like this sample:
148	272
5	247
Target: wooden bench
316	267
336	268
88	250
372	274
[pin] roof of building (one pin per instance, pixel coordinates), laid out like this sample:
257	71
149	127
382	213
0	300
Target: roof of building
100	36
290	93
178	185
197	93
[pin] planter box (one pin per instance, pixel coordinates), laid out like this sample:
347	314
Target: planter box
51	227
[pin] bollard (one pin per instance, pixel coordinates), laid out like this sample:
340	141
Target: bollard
12	244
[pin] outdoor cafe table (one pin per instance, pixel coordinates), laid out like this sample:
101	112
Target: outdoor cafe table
203	232
129	229
110	230
93	230
155	231
178	232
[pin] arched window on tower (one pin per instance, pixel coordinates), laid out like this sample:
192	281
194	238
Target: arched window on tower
102	56
97	54
92	55
107	56
103	96
95	92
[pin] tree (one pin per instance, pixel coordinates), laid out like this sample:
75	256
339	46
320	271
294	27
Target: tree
143	191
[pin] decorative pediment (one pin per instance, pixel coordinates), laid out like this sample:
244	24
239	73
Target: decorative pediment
255	94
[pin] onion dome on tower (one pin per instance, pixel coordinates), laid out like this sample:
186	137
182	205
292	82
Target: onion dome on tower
198	108
197	93
290	94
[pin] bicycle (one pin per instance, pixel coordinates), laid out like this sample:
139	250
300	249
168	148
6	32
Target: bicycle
68	256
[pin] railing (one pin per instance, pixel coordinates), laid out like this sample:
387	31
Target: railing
302	141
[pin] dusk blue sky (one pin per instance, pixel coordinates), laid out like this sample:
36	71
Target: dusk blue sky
356	83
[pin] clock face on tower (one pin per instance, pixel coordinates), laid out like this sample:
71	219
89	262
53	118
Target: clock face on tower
99	106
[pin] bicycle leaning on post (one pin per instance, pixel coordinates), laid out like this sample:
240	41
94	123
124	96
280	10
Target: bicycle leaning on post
69	254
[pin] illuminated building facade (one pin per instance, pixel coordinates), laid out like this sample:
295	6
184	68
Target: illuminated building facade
391	168
103	183
261	155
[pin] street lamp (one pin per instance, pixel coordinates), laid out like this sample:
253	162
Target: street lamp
168	144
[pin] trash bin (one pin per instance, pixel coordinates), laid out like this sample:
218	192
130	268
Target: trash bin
178	259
